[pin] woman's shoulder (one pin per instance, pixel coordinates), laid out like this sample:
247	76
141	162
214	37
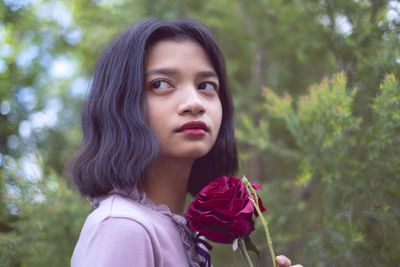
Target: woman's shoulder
111	237
122	228
117	206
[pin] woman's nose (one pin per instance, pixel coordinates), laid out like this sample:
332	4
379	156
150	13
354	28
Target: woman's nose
191	103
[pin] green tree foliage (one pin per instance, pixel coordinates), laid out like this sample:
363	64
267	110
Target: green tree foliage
327	157
45	220
346	193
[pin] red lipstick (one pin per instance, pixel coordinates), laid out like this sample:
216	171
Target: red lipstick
194	128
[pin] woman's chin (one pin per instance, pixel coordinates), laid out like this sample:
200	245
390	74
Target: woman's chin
192	154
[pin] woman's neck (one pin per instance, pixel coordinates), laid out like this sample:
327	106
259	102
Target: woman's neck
166	183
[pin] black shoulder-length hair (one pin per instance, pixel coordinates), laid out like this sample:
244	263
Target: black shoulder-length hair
118	146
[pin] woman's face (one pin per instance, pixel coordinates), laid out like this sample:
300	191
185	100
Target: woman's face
183	105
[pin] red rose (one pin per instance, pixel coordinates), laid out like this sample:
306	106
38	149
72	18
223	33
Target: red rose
222	211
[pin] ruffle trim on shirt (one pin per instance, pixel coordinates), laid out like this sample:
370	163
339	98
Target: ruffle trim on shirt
187	235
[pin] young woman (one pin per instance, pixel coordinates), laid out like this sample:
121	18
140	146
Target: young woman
158	123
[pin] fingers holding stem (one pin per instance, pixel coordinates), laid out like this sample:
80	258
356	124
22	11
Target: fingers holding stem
284	261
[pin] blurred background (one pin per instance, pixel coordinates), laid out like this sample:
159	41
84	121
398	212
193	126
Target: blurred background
317	97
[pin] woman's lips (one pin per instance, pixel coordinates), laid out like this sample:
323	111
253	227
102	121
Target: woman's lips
193	128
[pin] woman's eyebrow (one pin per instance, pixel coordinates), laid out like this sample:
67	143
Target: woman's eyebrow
167	72
207	74
174	72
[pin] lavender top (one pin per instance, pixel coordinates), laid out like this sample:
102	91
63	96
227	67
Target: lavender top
127	229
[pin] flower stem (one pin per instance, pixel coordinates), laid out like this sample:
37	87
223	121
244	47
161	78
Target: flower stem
253	194
268	235
243	251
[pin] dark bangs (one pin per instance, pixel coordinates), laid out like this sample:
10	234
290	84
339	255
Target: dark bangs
118	147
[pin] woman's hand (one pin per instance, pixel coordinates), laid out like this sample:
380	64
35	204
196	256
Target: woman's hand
283	261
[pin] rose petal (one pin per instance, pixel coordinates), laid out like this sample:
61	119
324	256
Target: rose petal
225	238
260	205
243	225
256	186
222	211
211	222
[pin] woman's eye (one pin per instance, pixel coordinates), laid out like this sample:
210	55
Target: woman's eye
157	85
208	86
